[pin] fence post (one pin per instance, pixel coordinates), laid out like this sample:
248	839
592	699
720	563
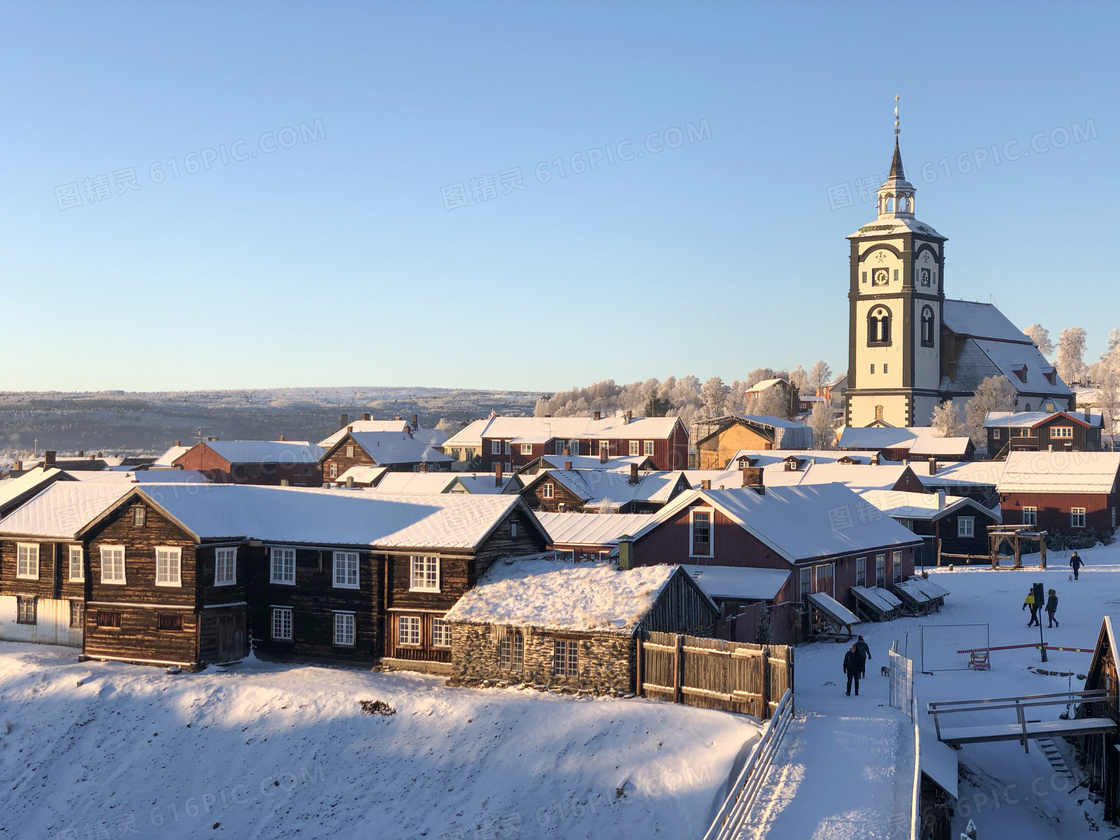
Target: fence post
678	675
765	684
638	666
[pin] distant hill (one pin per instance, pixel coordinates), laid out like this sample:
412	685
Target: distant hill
141	423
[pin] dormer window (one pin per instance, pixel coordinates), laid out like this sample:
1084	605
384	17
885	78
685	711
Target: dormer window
1021	372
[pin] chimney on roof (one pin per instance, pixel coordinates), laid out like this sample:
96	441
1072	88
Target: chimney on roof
17	466
48	458
941	499
99	454
875	460
705	484
343	420
92	458
603	455
598	415
933	466
423	466
497	475
567	464
633	473
400	419
366	415
752	477
1088	414
629	414
349	429
281	438
566	452
415	422
178	443
791	464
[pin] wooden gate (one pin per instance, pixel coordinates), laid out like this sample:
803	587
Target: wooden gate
713	673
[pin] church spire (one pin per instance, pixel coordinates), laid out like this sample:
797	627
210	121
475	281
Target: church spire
896	162
896	196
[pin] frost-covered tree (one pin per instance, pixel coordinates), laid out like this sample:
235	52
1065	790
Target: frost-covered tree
1071	353
713	394
995	393
799	379
820	421
757	375
947	421
736	402
772	402
1041	337
656	407
819	374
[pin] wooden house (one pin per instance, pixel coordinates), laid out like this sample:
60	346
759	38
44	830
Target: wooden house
825	536
719	439
1043	431
44	562
569	625
1067	492
269	462
912	443
1100	752
589	536
396	451
949	524
17	491
602	491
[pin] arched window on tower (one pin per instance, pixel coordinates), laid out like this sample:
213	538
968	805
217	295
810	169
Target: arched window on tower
890	204
902	204
879	326
928	326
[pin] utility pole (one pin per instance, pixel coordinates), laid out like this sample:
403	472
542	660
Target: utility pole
1038	601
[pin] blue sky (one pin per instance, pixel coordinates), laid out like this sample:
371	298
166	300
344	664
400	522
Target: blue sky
328	255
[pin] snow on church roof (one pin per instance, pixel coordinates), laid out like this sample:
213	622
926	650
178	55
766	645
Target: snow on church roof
980	320
562	595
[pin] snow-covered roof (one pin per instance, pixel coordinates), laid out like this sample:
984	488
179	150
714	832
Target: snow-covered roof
738	582
1034	419
924	506
799	523
1060	472
592	529
766	385
397	448
12	489
167	459
1016	361
561	595
332	517
542	429
770	457
64	509
419	484
599	486
432	437
940	447
362	474
980	320
160	476
265	451
589	462
891	225
774	474
963	474
483	483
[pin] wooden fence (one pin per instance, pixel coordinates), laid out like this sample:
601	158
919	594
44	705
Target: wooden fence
713	673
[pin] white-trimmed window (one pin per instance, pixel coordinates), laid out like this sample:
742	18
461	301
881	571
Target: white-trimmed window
823	578
112	564
548	490
526	449
1077	517
349	450
282	623
408	630
966	527
139	516
511	651
346	570
27	561
635	447
896	567
423	573
495	447
649	447
225	566
441	633
333	470
565	658
1061	432
505	447
806	582
573	447
861	571
77	613
1030	515
344	629
700	532
77	564
282	568
25	610
514	531
881	570
169	566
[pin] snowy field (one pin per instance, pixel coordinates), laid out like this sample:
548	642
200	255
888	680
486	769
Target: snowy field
277	751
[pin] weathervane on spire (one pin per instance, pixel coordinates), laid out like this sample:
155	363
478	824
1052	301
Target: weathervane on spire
896	115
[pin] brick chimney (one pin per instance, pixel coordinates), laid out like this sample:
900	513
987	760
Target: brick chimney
603	455
349	429
598	415
178	443
629	415
752	477
567	464
566	452
705	484
366	415
281	438
17	466
48	458
633	473
423	466
343	420
415	422
933	466
875	460
497	475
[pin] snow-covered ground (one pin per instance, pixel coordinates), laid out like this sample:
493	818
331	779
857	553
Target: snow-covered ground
267	750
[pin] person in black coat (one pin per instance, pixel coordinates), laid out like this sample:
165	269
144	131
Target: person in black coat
863	650
853	667
1075	563
1052	607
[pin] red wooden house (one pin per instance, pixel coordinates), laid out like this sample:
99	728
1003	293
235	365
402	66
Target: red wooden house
1067	492
275	462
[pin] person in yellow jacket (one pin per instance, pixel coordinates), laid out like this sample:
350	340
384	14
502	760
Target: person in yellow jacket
1029	602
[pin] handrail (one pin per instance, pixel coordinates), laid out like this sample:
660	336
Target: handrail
743	791
985	700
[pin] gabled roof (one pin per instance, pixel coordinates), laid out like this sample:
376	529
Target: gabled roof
774	474
981	320
387	448
591	529
1060	472
766	385
432	437
900	504
415	483
588	462
598	486
363	474
1034	419
167	459
32	482
799	523
543	429
963	475
65	508
561	595
739	582
263	451
483	483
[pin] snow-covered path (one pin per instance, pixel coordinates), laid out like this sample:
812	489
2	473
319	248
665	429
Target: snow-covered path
847	760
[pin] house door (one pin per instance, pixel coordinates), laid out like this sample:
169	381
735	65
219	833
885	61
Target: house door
231	638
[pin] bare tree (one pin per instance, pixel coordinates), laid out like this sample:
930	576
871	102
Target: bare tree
995	393
1071	353
819	374
1041	337
947	421
820	421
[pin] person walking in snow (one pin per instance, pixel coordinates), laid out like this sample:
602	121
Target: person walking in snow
1052	607
853	668
1029	602
863	650
1075	563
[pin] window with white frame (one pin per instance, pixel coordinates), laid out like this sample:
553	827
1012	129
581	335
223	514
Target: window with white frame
282	624
349	450
514	531
344	629
565	658
649	447
25	610
441	633
823	576
1077	517
505	448
408	630
27	561
169	566
635	447
346	570
700	528
896	567
112	564
1030	515
511	651
573	447
225	566
881	570
1061	432
806	583
423	573
77	613
861	571
282	568
77	564
547	490
966	527
139	516
333	470
495	447
526	449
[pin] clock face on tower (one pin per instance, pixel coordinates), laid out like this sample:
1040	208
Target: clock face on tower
879	277
925	276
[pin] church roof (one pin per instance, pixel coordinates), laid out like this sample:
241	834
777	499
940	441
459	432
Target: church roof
1023	366
896	164
980	320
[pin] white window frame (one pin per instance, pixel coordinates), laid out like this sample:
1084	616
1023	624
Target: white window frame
349	450
27	561
441	633
1030	515
282	554
110	556
896	567
169	565
692	532
345	630
1077	518
139	516
861	571
824	572
408	631
880	570
966	527
495	447
282	624
27	609
1063	432
548	490
635	448
77	553
805	583
573	447
565	657
225	559
649	447
346	572
423	573
526	449
333	470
